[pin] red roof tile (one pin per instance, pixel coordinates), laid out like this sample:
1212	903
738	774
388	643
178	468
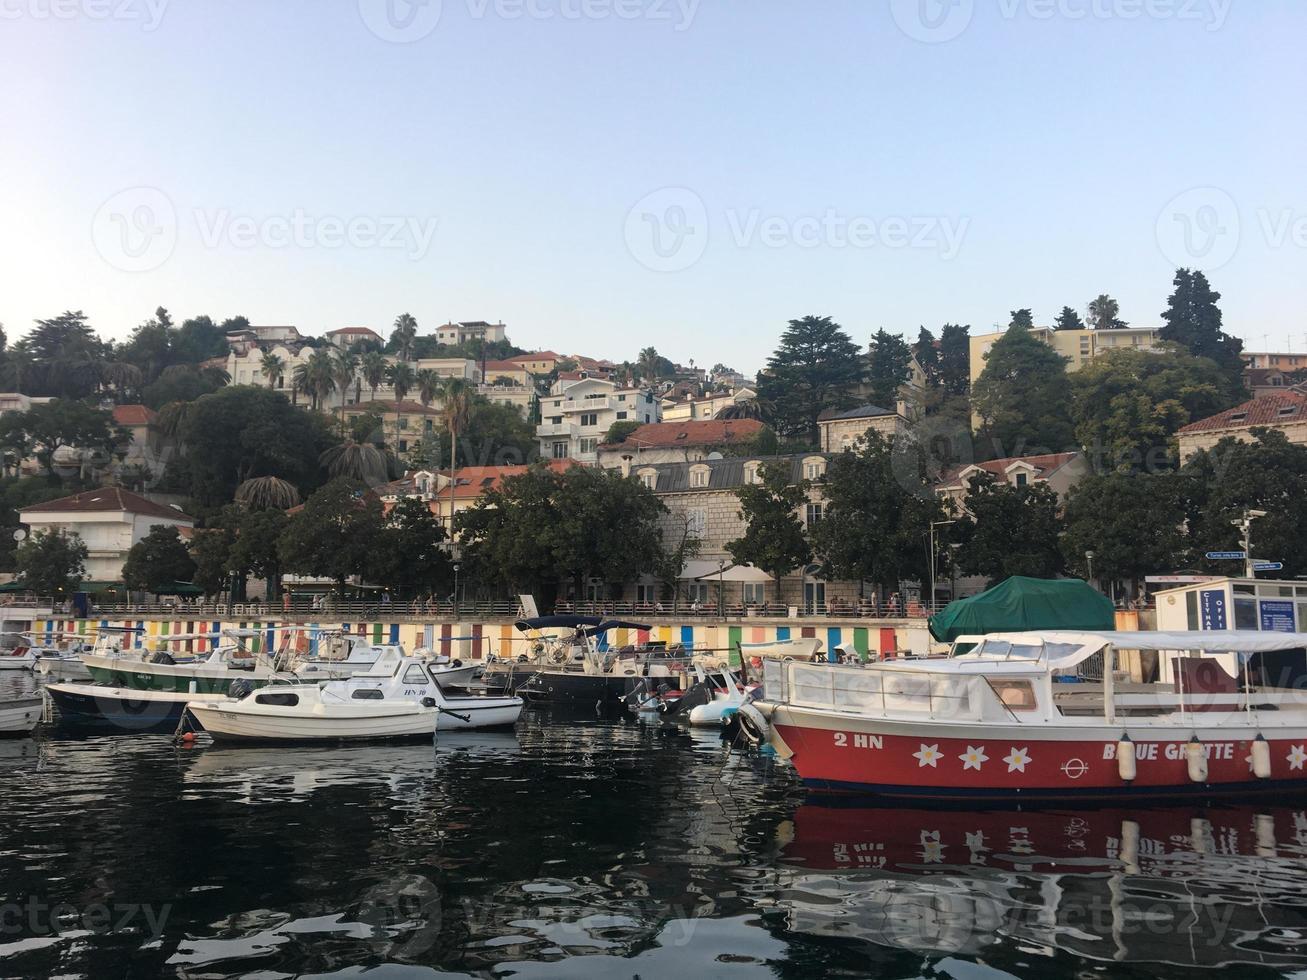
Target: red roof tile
704	432
133	414
1276	409
332	333
473	481
107	499
1045	463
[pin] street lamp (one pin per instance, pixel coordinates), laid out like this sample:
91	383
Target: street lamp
1245	524
721	586
1089	557
930	606
456	564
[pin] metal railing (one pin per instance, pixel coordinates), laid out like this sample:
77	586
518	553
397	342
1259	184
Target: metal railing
835	609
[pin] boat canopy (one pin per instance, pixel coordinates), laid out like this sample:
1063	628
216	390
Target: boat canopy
613	624
1022	603
555	622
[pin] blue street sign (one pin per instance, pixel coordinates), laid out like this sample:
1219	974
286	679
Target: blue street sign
1267	566
1226	556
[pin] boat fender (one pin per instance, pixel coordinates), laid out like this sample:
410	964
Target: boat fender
1196	754
1125	759
428	702
753	725
1261	757
240	688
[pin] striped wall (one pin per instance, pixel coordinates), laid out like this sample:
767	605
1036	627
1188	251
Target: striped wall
475	641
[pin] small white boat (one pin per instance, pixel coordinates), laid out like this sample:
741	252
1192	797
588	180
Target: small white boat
727	696
16	652
18	716
397	698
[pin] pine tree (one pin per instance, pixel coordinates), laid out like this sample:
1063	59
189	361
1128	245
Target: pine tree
816	367
890	366
1068	319
1194	320
1022	396
927	355
955	358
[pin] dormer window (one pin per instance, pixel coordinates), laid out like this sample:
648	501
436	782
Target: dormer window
814	468
649	478
1239	417
1021	480
752	472
1288	410
699	476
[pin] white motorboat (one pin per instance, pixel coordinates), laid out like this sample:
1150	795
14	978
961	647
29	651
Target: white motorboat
16	652
397	698
18	716
727	696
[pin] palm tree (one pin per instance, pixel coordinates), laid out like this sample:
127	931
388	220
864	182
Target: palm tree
360	461
406	331
457	397
264	492
272	367
19	367
648	364
318	377
120	376
300	382
401	380
372	369
749	409
344	365
429	385
172	418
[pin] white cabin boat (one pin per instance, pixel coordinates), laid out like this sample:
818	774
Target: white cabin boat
18	716
397	698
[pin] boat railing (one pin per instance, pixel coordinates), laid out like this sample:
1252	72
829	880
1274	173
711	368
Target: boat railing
900	691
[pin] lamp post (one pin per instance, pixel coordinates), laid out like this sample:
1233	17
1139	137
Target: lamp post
1245	524
1089	558
721	587
930	605
456	564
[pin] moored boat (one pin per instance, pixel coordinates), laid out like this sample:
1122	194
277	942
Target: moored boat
398	698
106	709
18	716
1051	715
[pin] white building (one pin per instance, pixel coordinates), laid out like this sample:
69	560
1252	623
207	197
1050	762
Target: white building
706	407
461	333
109	521
346	337
576	415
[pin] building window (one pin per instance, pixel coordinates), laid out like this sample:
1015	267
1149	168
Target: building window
649	478
814	469
621	398
555	420
646	594
813	515
403	445
590	418
751	474
621	416
560	450
696	523
699	476
755	593
589	445
403	424
1022	479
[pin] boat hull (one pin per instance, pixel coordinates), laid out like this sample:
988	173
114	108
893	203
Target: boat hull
117	710
238	721
22	661
62	669
836	753
18	716
604	690
201	678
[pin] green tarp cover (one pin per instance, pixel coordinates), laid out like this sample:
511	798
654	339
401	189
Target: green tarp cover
1026	604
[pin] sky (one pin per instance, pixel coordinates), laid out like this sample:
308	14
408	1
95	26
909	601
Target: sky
603	175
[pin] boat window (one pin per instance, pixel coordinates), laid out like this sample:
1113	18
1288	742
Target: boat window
367	694
1015	695
1058	651
415	675
277	698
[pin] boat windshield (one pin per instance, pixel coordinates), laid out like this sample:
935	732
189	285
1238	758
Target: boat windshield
994	648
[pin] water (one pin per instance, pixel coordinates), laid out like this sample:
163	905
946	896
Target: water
582	848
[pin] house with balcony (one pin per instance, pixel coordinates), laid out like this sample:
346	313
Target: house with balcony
1060	471
109	521
576	415
461	333
705	407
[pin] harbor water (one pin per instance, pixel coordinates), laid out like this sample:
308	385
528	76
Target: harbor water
581	847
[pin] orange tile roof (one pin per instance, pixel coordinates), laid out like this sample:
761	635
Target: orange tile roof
702	432
1044	463
473	481
1274	409
107	499
332	333
133	414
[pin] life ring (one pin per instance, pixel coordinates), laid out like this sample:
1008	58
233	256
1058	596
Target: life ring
753	726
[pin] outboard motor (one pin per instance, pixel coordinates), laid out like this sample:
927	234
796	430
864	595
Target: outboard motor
240	688
161	657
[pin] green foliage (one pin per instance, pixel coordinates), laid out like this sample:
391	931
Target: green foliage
492	434
334	535
411	556
1193	320
1134	525
618	431
157	561
877	509
210	550
1010	530
774	538
1103	314
182	383
44	428
1068	319
927	355
60	357
18	492
403	336
889	368
1022	318
256	545
368	427
1127	404
199	339
1021	397
815	368
955	358
543	527
246	431
51	562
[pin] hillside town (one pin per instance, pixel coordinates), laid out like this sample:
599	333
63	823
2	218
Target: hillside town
858	473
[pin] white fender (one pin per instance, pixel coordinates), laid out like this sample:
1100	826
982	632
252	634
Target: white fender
753	726
1261	756
1197	755
1126	764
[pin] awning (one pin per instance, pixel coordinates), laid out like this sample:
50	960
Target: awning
698	568
747	574
711	571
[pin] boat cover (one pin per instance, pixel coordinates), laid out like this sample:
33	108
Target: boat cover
613	624
1022	603
554	622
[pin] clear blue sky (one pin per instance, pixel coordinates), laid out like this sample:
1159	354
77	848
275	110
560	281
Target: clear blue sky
1033	158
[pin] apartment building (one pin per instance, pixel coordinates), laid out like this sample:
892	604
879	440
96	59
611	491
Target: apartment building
462	333
576	415
1077	346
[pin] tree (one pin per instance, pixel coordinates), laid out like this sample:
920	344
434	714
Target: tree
405	333
344	365
198	339
1105	515
618	431
334	535
815	368
774	538
44	429
493	434
211	550
64	355
1103	314
878	507
150	347
429	385
1010	530
267	491
362	462
412	556
457	398
1193	320
1022	318
157	561
650	365
926	351
272	367
1020	396
1068	319
955	358
1127	404
256	548
182	383
372	368
889	367
52	562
